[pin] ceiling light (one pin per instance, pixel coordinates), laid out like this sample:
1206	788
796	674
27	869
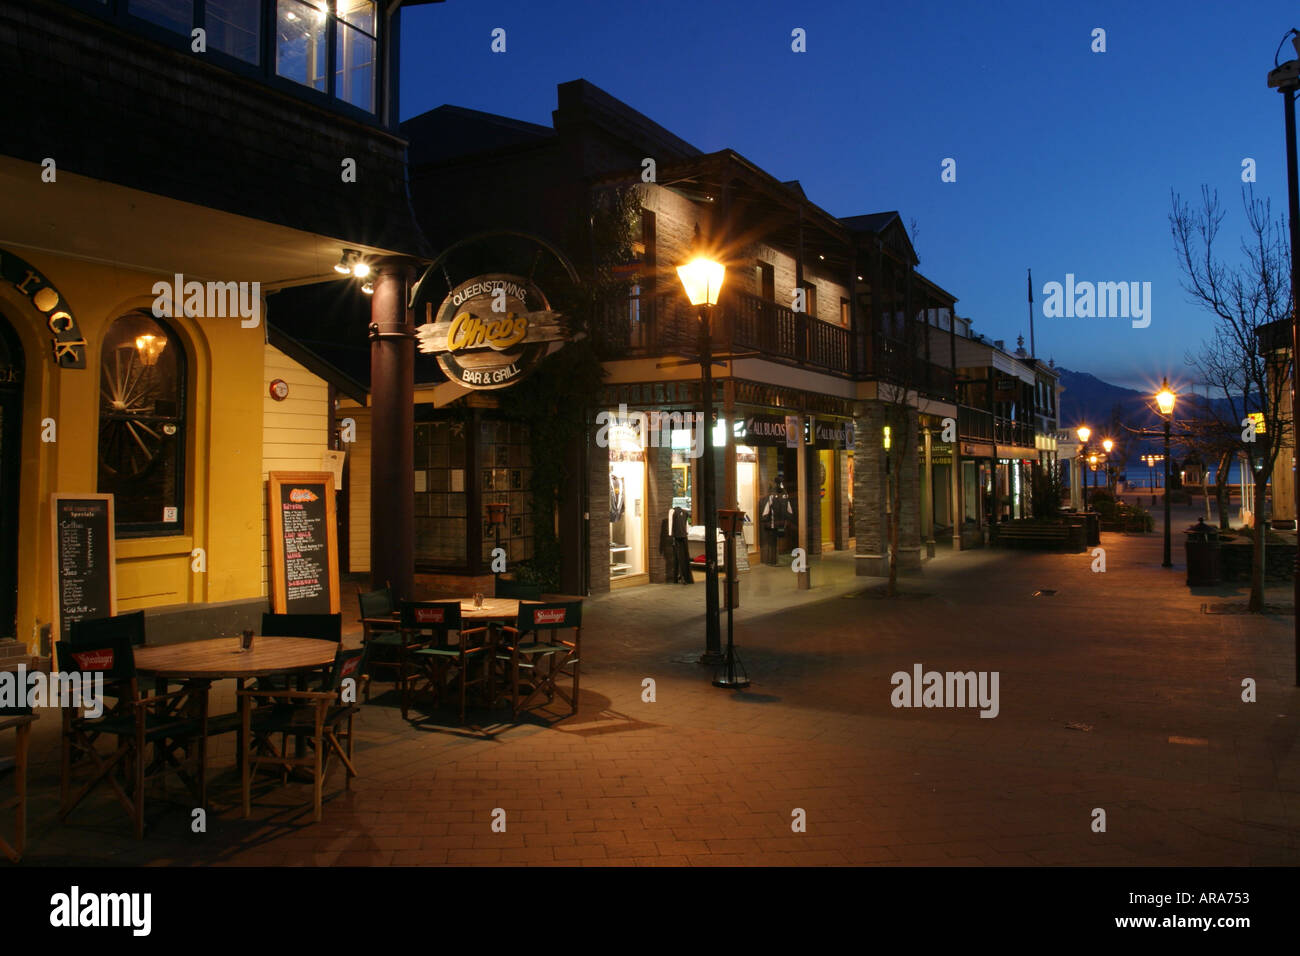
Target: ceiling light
368	287
360	269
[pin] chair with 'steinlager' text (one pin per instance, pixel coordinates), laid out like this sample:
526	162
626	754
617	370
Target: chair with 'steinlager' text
539	654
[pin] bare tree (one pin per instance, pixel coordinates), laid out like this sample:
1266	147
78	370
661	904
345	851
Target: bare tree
1238	368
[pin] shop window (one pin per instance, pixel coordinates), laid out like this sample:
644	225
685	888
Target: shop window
628	520
505	476
441	492
142	425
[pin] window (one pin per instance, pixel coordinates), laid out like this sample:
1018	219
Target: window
301	28
354	54
175	15
810	298
303	52
142	425
765	281
234	27
844	312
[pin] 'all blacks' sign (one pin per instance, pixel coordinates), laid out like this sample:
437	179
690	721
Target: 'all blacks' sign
490	331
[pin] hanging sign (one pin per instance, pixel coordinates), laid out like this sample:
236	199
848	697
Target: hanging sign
490	331
69	346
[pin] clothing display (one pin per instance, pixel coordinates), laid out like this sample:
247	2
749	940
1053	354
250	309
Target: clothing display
678	522
775	512
617	499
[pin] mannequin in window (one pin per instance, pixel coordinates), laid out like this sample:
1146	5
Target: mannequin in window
678	526
773	514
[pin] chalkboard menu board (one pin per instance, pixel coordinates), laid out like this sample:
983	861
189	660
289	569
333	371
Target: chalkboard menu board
304	549
85	577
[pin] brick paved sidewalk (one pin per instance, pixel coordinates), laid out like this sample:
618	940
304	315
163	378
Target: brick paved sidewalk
1116	692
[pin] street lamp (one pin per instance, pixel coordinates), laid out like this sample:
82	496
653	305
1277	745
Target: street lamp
1107	444
1165	400
702	279
1084	433
1286	79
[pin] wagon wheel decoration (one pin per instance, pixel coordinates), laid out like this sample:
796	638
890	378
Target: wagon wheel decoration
132	435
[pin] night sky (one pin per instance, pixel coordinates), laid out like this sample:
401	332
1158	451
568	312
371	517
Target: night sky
1065	158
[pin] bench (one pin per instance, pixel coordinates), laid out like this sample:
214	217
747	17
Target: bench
1041	536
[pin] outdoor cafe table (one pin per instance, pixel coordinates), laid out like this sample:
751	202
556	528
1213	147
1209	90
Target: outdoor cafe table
205	661
222	658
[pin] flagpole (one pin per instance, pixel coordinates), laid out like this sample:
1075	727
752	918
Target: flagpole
1033	350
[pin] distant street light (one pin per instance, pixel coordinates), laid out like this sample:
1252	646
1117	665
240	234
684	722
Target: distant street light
1165	400
1084	433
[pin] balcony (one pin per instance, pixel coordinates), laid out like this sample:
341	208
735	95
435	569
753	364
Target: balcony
667	323
974	424
1008	431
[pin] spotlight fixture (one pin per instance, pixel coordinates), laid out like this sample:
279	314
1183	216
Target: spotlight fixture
360	269
346	262
368	287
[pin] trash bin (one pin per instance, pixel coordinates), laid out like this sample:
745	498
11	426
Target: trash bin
1202	546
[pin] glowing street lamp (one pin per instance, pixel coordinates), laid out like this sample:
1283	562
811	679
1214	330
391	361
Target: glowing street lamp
702	280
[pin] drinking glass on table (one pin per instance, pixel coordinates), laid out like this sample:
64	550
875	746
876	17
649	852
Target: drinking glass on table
246	640
478	600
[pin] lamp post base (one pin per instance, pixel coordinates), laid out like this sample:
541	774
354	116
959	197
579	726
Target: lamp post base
733	676
712	658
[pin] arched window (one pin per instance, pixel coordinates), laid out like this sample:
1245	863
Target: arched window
142	425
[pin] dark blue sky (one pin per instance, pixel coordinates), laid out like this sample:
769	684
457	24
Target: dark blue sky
1065	157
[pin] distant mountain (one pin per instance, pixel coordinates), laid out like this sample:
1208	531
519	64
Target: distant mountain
1088	399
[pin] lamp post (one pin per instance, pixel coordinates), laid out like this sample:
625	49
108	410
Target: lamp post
1084	433
1107	444
702	279
1165	399
1286	79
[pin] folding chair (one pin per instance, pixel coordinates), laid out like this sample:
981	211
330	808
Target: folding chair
137	722
381	631
315	717
543	623
321	627
20	719
427	656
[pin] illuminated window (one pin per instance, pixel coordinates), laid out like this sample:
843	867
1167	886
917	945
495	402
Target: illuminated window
142	425
354	54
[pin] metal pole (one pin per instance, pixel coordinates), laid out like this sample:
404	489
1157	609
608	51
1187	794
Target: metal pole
712	629
804	577
1168	562
1293	197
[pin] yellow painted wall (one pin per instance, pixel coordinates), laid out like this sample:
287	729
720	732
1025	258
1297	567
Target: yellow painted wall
358	486
223	504
295	431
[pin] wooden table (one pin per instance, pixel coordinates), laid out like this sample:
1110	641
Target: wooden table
221	658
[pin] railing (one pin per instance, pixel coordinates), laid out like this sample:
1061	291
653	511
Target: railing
974	425
741	322
1010	432
892	364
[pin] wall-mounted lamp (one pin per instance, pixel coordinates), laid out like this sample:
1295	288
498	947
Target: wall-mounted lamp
350	263
368	287
149	347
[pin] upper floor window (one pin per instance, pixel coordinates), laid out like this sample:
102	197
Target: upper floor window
303	52
142	425
233	27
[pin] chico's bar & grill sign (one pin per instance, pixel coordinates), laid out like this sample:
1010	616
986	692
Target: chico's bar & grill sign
490	331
